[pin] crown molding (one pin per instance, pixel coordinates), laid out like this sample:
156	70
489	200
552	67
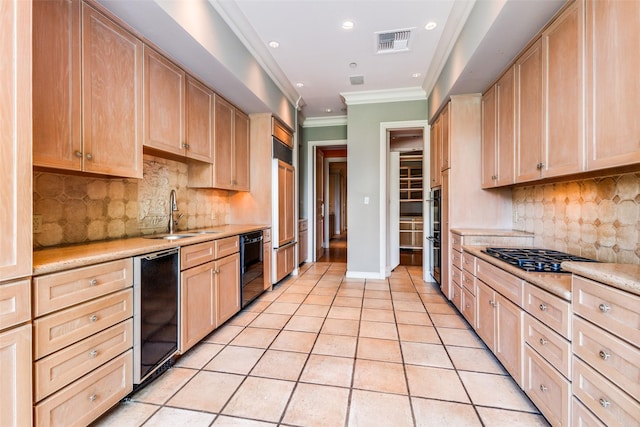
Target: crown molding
316	122
387	95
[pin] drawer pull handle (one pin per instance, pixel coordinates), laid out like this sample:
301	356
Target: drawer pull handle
604	402
604	355
93	354
93	318
93	282
543	341
543	388
93	397
604	307
543	307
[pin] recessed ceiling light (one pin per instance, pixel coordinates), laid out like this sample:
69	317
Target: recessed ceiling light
347	25
416	75
430	25
299	84
274	44
328	110
353	65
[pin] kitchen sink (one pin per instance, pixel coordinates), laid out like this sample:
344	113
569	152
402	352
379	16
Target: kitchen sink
170	236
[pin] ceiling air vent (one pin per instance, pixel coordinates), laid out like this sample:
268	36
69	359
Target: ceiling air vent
356	80
393	41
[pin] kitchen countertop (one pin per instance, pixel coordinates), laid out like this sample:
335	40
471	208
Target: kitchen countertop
55	259
491	232
622	276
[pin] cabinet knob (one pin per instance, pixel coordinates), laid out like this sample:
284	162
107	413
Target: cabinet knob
604	355
543	388
604	402
93	318
603	307
494	177
543	307
78	154
89	156
93	397
93	354
540	165
93	282
543	341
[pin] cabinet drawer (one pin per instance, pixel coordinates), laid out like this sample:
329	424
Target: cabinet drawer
469	307
582	417
469	263
282	133
549	309
456	259
15	303
66	327
547	388
505	283
605	400
193	255
456	242
612	357
88	398
266	235
227	246
456	296
611	309
551	346
61	290
67	365
469	281
456	275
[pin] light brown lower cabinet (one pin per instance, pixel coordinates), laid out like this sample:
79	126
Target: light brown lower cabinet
227	285
266	265
547	388
582	417
15	376
197	304
285	259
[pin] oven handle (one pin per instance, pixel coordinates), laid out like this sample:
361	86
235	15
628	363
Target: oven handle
254	240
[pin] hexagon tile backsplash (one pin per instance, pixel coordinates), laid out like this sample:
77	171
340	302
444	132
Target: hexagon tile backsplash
597	218
79	209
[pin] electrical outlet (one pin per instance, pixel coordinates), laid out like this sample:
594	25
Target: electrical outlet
37	224
515	216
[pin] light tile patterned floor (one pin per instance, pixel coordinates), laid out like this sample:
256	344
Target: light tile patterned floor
323	350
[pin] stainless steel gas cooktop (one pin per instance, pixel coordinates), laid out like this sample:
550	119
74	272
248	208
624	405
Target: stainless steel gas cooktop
534	260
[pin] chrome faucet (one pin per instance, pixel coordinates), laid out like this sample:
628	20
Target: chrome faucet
173	207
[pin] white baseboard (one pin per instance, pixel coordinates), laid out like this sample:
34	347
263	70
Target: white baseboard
364	275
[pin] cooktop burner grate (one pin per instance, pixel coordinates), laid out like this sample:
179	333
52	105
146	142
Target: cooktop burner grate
536	260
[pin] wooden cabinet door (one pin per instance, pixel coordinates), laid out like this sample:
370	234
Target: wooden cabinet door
15	365
266	264
285	203
227	280
197	304
435	152
15	139
563	148
505	95
444	139
112	97
529	106
241	151
489	138
199	121
222	152
508	337
56	84
613	92
485	314
164	103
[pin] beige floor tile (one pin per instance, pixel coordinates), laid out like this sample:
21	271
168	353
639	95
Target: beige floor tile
127	414
172	417
384	377
315	405
165	386
350	313
207	391
440	308
379	409
294	341
460	337
413	318
224	334
270	321
372	294
413	306
433	298
347	302
324	292
335	345
505	393
258	306
282	308
328	370
304	324
255	337
314	310
435	383
353	292
291	297
226	421
405	296
418	333
449	321
428	288
199	355
376	285
340	327
430	413
384	304
385	331
236	360
422	354
319	299
376	315
500	418
377	349
281	365
475	359
260	399
243	318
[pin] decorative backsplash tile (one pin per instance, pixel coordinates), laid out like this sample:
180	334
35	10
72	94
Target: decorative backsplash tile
597	218
79	209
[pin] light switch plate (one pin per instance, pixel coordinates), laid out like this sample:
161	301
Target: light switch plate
37	224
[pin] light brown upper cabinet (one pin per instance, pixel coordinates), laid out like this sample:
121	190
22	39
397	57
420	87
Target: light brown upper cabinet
199	121
445	149
489	151
241	161
435	152
505	108
281	132
612	83
164	104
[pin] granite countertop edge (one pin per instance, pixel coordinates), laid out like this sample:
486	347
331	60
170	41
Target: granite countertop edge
54	259
491	232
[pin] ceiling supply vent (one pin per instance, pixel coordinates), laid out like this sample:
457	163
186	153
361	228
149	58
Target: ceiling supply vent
393	41
356	80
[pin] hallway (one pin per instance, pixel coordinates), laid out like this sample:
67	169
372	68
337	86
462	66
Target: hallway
337	250
324	350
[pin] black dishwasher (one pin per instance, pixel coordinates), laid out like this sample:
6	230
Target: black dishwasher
156	284
251	265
